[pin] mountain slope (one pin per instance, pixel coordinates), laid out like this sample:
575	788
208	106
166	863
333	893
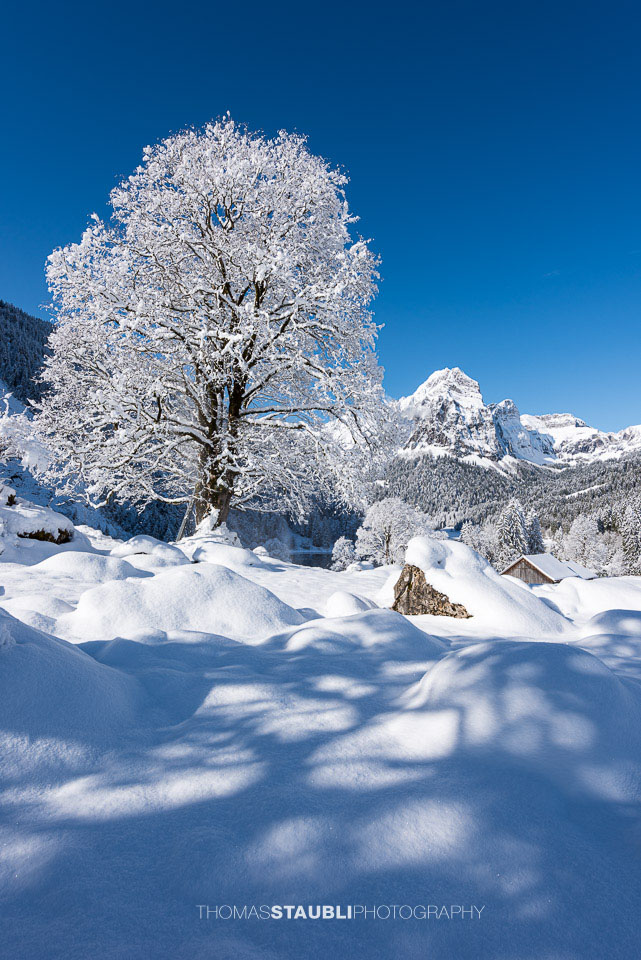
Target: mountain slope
23	346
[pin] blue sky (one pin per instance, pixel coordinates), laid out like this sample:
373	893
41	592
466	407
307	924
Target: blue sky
494	152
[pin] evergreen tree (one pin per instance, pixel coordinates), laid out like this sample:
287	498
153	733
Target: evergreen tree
534	535
631	538
512	533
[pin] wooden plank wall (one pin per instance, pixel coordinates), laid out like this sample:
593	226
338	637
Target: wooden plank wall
527	573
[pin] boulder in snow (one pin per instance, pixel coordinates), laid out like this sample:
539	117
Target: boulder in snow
20	518
7	495
497	606
414	596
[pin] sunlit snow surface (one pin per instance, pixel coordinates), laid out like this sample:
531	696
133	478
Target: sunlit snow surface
246	731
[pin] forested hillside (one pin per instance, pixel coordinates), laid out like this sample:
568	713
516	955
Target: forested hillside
451	491
23	345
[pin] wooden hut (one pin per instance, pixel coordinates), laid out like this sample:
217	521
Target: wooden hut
538	568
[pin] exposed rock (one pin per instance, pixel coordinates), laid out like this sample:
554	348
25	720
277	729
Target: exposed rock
63	536
413	596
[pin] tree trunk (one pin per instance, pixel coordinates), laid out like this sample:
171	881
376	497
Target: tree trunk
209	496
215	487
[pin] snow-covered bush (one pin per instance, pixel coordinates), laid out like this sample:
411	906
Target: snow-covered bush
387	528
210	529
343	554
277	549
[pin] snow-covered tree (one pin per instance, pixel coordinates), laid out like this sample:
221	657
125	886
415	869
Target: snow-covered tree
482	538
584	543
387	528
209	334
534	536
343	554
631	537
512	533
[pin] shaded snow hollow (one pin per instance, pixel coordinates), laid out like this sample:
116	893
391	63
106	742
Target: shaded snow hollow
243	730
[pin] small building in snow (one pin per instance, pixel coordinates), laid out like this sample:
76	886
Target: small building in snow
538	568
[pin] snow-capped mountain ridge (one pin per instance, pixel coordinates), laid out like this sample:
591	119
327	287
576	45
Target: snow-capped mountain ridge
447	415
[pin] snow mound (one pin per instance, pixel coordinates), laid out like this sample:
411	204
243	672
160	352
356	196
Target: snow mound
49	688
583	599
549	705
203	597
344	604
7	494
377	631
208	532
495	603
25	519
86	567
614	622
615	637
39	610
143	544
153	562
225	555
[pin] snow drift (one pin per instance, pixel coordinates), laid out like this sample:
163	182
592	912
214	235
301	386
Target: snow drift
582	599
549	705
49	688
86	567
144	545
344	604
202	597
225	555
382	632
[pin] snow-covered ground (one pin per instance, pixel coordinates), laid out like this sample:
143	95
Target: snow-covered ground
209	726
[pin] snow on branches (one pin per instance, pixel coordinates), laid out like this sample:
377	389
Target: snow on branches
210	334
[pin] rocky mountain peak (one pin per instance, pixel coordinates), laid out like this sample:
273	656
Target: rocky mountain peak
447	414
451	383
